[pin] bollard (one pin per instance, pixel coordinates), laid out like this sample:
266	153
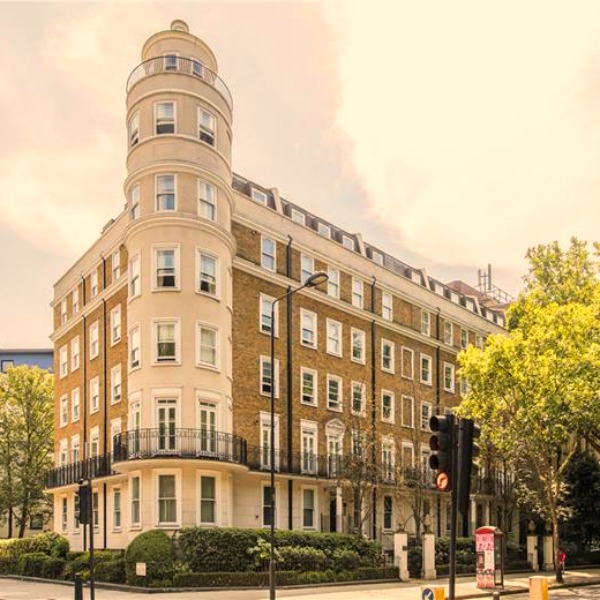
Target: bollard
78	587
496	596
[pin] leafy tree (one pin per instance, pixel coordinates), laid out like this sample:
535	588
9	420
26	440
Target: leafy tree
26	431
582	499
535	390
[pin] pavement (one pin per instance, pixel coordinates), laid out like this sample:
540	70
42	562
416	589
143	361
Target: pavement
15	589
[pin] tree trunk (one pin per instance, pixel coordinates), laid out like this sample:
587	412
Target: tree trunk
556	549
24	519
10	522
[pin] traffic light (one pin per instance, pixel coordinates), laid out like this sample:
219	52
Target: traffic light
83	493
442	445
468	450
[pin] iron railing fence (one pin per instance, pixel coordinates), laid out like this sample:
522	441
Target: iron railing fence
90	468
181	443
179	64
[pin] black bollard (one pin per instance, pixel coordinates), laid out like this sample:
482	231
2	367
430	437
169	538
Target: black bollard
78	587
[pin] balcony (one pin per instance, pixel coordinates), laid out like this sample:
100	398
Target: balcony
98	466
179	443
296	463
178	64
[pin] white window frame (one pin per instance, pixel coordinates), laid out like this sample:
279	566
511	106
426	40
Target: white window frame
298	217
94	442
176	268
131	348
158	121
448	333
265	301
425	322
133	524
333	283
117	523
313	526
75	300
392	356
64	411
176	473
306	316
409	351
164	192
358	334
116	384
307	267
63	452
429	359
348	243
94	339
265	436
410	424
115	325
324	230
133	129
387	306
135	276
358	292
315	386
201	326
94	288
215	501
75	448
392	417
134	201
207	133
63	311
115	429
358	385
479	341
464	338
335	325
205	281
63	364
265	257
449	387
94	395
263	360
75	405
340	402
259	196
115	263
377	257
424	420
176	323
309	460
207	200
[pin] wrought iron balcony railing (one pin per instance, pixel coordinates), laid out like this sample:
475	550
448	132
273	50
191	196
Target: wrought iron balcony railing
180	443
296	463
178	64
97	466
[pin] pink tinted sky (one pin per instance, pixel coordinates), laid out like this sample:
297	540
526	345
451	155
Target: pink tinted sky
450	134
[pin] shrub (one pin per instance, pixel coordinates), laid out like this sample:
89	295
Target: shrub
111	571
50	544
53	567
345	560
303	558
415	557
31	564
155	548
8	565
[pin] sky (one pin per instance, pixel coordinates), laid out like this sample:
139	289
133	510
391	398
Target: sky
450	134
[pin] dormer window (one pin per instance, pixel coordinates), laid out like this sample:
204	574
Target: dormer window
348	242
377	257
259	196
324	230
298	217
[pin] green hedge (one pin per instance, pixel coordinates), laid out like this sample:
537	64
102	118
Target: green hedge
111	571
233	550
37	564
79	562
50	544
261	579
155	548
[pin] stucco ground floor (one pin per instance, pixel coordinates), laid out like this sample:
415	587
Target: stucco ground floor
172	494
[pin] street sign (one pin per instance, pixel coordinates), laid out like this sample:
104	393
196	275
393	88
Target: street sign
435	592
442	481
427	594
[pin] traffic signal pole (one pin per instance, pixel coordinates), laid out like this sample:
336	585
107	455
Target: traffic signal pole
457	426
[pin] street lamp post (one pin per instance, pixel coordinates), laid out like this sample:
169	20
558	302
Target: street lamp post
315	279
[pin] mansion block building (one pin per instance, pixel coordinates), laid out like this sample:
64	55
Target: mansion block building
162	342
